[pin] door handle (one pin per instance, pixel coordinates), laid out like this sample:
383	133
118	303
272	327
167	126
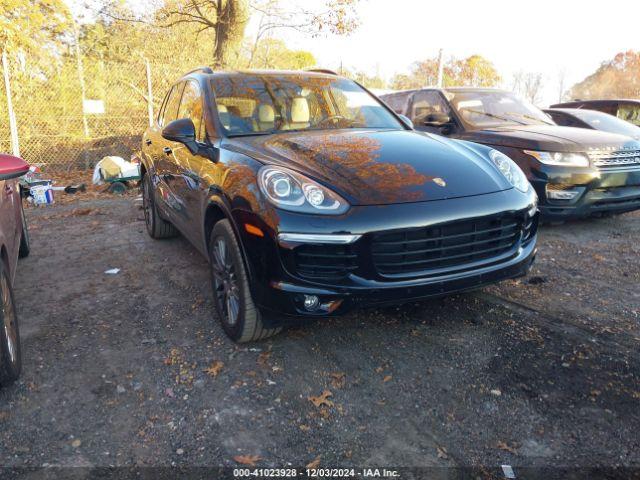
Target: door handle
148	141
167	150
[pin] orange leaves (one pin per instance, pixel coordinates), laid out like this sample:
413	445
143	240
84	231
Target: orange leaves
504	446
314	463
247	459
322	399
214	369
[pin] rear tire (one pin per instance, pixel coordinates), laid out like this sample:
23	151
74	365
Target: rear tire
10	350
25	241
240	318
157	227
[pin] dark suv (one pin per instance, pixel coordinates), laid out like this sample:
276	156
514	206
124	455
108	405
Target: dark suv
576	172
627	110
310	197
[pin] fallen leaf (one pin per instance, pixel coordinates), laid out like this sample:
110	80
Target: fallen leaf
337	379
76	443
322	399
387	378
379	369
80	212
442	453
247	459
503	446
315	463
305	428
214	369
263	358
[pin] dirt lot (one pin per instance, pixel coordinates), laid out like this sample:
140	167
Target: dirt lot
133	369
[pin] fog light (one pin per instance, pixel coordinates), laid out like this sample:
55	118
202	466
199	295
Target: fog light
561	192
561	195
311	302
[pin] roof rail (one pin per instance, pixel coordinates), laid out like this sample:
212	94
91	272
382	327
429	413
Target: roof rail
321	70
200	69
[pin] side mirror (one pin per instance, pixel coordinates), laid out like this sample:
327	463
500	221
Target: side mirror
437	120
12	167
182	130
406	121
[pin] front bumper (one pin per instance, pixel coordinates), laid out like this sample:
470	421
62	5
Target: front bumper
597	191
280	290
287	298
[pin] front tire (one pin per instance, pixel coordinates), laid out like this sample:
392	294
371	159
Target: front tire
240	318
10	350
157	227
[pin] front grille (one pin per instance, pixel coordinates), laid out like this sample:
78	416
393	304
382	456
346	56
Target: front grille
326	262
451	246
606	159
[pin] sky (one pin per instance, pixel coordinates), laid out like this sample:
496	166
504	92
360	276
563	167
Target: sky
546	36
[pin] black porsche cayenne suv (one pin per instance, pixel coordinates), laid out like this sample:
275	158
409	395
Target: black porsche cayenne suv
310	197
575	172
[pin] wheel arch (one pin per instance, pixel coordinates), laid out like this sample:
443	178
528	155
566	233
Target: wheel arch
217	210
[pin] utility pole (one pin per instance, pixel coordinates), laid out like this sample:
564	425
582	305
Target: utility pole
440	67
13	125
149	92
83	90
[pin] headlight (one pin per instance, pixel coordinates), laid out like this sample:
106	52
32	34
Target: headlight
510	170
290	190
562	159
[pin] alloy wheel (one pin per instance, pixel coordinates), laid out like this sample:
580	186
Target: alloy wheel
225	281
9	314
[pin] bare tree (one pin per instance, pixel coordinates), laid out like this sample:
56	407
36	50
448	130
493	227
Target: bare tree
225	19
528	84
334	16
562	77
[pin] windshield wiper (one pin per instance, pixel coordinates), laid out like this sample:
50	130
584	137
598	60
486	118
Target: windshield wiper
251	134
497	117
531	117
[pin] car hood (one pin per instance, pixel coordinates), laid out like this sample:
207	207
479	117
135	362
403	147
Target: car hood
551	138
379	167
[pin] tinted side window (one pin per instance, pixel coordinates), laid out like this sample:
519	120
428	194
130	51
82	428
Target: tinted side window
396	102
171	108
425	104
561	119
191	107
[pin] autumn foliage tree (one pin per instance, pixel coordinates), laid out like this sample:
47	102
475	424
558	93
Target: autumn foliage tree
32	25
474	71
616	78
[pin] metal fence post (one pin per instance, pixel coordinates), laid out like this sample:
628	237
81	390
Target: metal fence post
13	125
85	125
149	92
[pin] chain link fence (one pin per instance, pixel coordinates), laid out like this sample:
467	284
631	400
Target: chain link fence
71	114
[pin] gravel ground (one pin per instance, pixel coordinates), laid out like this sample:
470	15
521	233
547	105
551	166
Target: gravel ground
133	369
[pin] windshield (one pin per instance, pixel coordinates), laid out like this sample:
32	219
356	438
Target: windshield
482	109
607	123
254	104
